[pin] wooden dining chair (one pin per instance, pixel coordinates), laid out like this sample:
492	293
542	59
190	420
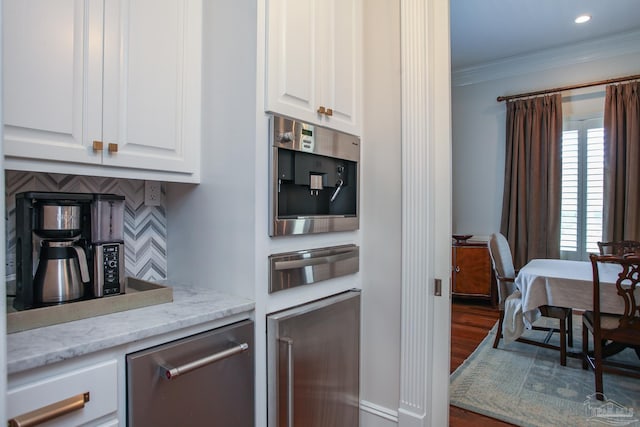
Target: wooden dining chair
612	331
505	272
619	247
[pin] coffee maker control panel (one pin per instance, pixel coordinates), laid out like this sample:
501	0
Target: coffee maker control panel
109	274
111	269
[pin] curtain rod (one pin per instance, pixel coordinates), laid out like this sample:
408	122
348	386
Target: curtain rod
560	89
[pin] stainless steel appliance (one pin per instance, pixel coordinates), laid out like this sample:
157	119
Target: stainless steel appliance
313	354
291	269
69	246
314	179
203	380
62	272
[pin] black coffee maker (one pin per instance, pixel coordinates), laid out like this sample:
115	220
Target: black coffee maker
69	247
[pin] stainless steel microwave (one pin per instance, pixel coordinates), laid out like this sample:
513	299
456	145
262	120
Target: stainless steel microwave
314	179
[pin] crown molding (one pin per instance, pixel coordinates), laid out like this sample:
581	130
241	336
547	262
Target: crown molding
578	53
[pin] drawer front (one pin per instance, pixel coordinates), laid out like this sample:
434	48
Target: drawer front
100	381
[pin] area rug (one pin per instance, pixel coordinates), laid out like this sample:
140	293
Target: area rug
525	385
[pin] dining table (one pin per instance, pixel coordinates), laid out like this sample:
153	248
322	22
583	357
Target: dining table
565	283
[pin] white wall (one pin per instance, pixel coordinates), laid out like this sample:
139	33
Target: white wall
381	208
479	120
210	227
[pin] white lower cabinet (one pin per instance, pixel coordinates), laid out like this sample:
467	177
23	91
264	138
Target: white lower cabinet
86	395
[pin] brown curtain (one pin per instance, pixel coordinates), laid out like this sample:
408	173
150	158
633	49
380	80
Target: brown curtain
621	213
532	180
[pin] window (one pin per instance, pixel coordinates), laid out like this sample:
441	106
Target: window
582	188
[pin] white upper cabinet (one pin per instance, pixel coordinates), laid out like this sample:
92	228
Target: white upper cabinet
113	83
314	63
52	73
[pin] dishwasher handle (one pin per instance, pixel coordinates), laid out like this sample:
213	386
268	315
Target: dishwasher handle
171	373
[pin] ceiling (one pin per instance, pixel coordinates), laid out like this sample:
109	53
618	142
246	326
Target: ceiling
488	30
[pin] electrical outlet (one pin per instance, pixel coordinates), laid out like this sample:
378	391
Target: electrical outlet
152	193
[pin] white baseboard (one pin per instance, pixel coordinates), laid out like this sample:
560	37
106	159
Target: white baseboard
372	415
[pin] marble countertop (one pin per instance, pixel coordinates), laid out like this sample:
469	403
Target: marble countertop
191	306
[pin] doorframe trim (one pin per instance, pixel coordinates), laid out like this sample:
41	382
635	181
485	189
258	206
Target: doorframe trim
426	212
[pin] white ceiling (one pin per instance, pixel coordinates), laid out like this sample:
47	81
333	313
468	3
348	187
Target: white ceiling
487	30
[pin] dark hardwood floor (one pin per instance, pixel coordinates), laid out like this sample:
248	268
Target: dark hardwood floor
470	323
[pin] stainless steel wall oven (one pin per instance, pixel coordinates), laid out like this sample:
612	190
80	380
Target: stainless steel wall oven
314	179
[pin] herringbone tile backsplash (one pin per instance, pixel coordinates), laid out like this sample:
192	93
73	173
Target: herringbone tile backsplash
145	227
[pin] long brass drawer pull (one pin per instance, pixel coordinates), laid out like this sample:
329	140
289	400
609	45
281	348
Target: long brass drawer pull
49	412
171	373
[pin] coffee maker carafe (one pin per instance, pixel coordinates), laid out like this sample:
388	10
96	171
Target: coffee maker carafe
62	271
69	246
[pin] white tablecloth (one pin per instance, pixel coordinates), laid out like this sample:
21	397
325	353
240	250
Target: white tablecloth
565	283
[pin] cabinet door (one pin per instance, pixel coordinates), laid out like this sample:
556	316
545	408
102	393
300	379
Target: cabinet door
313	355
52	65
291	58
341	74
472	271
152	81
313	61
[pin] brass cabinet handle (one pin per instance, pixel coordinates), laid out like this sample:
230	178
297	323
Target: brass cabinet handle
97	145
325	111
49	412
112	148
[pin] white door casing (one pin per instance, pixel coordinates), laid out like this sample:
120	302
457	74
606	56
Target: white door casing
426	218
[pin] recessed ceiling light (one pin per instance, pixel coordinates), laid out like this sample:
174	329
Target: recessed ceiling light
582	19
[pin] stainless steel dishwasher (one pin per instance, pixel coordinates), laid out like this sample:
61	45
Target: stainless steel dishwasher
202	380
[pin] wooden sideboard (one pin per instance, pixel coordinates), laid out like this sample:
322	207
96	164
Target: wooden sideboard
472	272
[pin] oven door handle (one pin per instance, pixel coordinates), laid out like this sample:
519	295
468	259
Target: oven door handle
171	373
308	262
